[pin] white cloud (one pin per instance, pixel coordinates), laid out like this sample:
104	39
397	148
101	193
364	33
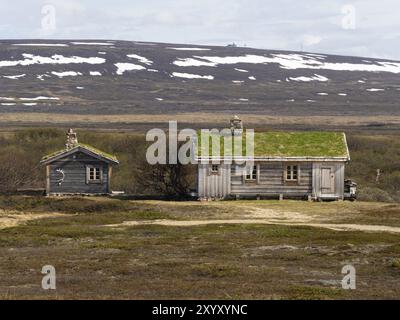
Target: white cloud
285	24
310	40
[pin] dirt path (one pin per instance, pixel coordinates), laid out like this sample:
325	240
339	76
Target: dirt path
191	223
277	216
13	220
256	215
251	215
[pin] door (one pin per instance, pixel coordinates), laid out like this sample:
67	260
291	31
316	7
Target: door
214	181
327	181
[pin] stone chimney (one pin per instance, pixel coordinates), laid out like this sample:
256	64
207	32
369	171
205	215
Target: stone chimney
72	139
236	126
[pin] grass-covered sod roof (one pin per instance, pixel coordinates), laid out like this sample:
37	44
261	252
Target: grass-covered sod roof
284	144
85	146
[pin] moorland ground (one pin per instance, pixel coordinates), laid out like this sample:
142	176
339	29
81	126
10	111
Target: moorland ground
109	248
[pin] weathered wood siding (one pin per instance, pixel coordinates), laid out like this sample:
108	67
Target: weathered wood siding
211	185
74	167
337	169
271	181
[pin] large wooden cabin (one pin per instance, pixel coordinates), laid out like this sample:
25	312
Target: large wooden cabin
307	165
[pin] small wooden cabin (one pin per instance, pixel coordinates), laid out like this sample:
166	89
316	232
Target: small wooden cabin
79	169
285	165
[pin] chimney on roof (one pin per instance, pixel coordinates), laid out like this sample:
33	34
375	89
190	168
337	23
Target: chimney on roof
236	126
72	139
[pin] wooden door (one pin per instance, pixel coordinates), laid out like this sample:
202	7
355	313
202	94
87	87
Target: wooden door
327	181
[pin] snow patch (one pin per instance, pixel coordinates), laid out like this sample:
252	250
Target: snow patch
66	74
322	94
140	58
30	104
289	61
8	104
93	43
191	76
190	62
342	94
316	77
39	98
252	78
190	49
40	44
30	59
375	90
95	73
15	77
159	99
123	67
237	81
41	76
241	70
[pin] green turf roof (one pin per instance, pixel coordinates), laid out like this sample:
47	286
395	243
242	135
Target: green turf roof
85	146
290	144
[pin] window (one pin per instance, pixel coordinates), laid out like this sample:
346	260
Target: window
94	174
292	173
251	173
215	169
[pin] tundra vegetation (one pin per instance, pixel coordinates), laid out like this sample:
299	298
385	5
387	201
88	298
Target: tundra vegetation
111	248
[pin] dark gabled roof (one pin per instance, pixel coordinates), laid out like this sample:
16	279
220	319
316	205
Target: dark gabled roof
98	154
288	145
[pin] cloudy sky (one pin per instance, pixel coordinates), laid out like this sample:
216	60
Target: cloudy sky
364	28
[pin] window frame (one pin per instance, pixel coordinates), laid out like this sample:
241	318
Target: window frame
251	174
213	170
90	173
292	172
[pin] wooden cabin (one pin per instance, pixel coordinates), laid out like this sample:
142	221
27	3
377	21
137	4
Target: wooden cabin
308	165
78	169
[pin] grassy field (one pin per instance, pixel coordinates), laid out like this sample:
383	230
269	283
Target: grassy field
108	248
140	121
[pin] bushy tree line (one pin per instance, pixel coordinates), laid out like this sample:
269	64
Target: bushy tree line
22	150
370	153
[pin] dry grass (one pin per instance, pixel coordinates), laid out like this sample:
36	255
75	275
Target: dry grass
206	118
212	261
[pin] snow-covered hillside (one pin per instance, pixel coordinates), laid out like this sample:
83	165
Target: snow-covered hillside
134	77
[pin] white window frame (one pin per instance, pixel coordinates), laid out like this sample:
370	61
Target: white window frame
251	173
290	174
91	174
